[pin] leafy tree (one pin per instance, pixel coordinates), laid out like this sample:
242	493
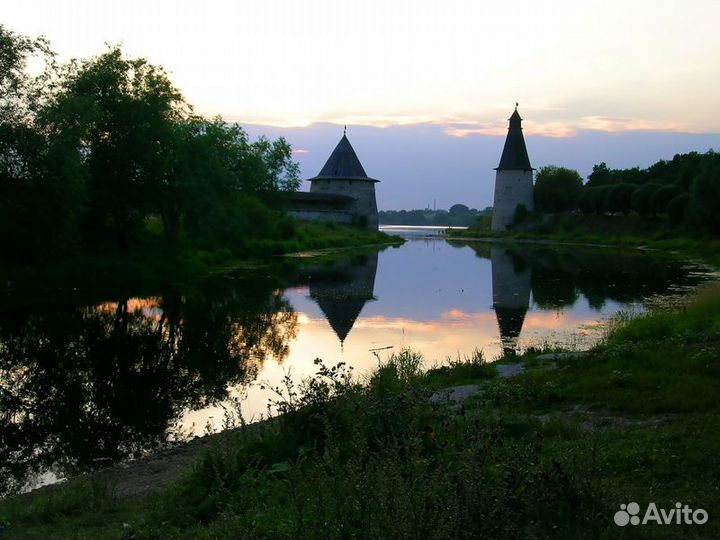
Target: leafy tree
677	208
705	196
121	114
37	209
20	93
459	209
557	189
148	154
662	197
642	198
600	176
618	198
592	199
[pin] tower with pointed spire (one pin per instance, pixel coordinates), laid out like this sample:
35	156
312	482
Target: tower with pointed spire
344	176
513	177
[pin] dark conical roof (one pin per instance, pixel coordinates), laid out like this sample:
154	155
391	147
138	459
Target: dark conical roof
341	314
510	321
343	289
515	154
343	164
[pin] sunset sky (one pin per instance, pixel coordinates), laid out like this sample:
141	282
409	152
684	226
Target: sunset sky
623	82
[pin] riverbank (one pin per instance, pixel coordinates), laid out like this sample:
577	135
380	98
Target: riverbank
603	230
154	266
538	445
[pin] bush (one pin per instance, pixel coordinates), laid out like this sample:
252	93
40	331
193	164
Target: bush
521	214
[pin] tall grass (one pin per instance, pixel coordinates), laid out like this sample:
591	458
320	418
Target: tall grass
374	459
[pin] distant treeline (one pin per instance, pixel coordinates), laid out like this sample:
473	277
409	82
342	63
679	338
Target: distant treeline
685	191
459	215
105	155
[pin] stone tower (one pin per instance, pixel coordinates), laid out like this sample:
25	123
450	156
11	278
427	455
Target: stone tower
513	178
343	174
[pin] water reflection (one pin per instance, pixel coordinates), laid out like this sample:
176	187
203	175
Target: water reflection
110	379
342	289
82	386
559	278
511	282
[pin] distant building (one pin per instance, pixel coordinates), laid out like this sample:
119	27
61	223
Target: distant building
513	178
341	192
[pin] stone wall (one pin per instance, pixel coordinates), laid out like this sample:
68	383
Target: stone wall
363	191
322	215
512	187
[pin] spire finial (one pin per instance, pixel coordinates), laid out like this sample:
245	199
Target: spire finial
516	105
345	130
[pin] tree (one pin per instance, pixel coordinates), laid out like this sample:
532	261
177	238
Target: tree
677	208
705	196
642	198
459	209
145	154
557	189
37	208
592	199
662	197
600	176
121	114
20	93
618	198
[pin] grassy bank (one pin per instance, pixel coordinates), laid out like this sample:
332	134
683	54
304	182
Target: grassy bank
549	453
629	231
152	266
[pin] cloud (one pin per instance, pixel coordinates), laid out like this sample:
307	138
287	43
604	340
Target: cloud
564	129
616	125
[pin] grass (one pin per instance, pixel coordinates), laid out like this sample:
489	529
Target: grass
153	267
550	453
628	231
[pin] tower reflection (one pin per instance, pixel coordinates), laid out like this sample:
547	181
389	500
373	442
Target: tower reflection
342	289
511	284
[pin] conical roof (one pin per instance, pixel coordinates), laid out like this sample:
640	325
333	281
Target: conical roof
343	164
341	313
343	289
510	322
515	155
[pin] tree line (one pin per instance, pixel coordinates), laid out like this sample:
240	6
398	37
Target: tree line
458	215
684	190
104	155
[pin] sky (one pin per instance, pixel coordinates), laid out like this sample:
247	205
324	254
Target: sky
425	87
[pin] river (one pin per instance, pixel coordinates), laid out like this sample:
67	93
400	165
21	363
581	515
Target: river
86	384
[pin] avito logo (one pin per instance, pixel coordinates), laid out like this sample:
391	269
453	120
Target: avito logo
680	515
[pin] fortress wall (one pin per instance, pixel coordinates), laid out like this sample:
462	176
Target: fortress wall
322	215
362	191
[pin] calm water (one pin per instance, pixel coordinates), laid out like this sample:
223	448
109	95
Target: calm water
90	383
